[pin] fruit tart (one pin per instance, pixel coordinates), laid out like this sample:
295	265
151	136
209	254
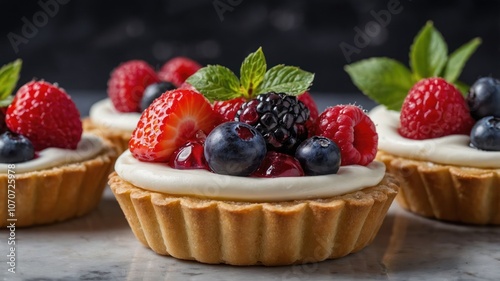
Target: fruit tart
269	187
133	85
440	138
49	170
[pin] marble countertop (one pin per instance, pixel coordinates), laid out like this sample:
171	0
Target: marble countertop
101	246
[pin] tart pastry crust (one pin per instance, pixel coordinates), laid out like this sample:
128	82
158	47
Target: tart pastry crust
444	192
245	233
59	193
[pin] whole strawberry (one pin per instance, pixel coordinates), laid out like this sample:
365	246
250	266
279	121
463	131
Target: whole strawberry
434	108
46	115
178	69
127	83
169	122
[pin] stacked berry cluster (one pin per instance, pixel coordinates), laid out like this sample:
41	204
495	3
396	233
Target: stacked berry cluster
134	84
41	115
264	124
446	112
429	95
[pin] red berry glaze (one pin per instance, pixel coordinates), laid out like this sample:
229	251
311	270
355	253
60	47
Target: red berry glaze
169	122
46	115
227	109
434	108
352	130
127	83
178	69
189	156
277	164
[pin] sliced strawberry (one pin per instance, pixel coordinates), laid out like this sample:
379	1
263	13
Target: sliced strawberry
227	109
169	122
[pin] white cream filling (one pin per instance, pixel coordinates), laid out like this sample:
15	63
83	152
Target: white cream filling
104	114
88	147
161	178
451	150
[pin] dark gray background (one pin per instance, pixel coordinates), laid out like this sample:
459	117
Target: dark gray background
81	43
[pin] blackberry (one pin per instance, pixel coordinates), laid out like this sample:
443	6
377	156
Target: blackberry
280	118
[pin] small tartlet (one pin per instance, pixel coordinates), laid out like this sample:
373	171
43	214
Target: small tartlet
58	193
446	192
247	233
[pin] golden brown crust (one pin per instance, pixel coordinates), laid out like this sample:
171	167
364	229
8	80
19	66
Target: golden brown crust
245	233
58	193
119	138
450	193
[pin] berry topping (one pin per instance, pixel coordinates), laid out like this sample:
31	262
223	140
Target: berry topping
3	126
127	83
169	122
308	101
279	118
277	164
318	156
177	70
153	91
189	156
434	108
227	109
484	98
485	134
15	148
46	115
234	148
352	130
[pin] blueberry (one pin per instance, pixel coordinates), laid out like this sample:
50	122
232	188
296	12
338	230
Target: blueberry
485	134
153	91
234	148
15	148
318	156
484	98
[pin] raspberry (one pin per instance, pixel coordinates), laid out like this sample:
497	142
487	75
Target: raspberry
352	130
169	122
127	83
178	69
46	115
434	108
279	118
3	126
228	109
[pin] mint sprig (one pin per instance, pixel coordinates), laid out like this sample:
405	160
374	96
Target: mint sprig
218	83
387	81
9	75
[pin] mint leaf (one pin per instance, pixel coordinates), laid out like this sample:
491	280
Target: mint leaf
428	54
457	59
384	80
286	79
252	72
9	75
462	87
216	82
